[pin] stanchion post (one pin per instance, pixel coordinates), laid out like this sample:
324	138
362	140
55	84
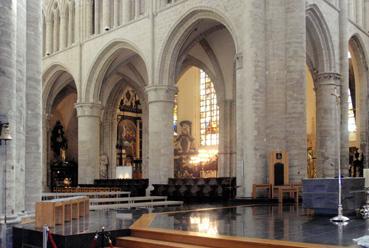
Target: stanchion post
44	236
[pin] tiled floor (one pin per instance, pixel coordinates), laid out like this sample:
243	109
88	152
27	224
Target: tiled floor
270	222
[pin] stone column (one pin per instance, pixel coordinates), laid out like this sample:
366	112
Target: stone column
116	13
366	15
126	4
63	30
89	18
21	114
56	33
33	125
97	17
344	70
8	102
161	151
49	37
106	15
226	139
71	25
137	8
327	129
89	115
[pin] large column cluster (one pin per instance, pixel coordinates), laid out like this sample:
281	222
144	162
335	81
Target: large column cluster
328	116
89	115
160	101
20	105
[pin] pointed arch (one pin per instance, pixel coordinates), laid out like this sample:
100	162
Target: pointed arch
319	45
103	60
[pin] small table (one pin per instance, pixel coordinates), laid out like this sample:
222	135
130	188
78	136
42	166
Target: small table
288	189
261	186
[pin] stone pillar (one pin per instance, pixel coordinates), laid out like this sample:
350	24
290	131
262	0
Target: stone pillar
116	13
89	16
21	115
106	15
49	37
327	130
137	8
344	70
161	151
56	33
33	125
71	24
8	102
126	4
366	15
226	139
89	115
97	17
63	30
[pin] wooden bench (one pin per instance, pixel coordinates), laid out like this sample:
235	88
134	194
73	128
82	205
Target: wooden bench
57	211
262	186
292	190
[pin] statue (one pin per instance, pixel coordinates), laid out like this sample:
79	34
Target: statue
104	164
59	143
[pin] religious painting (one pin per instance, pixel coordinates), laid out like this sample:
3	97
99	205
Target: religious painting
127	137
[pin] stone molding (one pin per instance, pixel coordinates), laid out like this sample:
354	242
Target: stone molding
325	76
161	93
88	109
328	78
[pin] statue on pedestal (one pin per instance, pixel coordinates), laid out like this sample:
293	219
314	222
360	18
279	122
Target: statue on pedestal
104	165
59	143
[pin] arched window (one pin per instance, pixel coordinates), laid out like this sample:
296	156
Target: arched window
209	112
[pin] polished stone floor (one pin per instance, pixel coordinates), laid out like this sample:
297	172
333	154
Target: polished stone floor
290	223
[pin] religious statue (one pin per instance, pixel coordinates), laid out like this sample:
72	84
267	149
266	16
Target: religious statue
59	143
104	165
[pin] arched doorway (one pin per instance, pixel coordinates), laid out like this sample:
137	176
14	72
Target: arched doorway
310	124
60	129
357	100
121	78
204	41
196	126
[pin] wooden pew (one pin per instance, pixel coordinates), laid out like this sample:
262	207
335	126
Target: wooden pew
57	211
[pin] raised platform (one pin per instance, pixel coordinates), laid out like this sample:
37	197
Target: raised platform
200	225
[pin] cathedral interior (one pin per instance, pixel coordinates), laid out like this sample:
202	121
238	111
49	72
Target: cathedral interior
184	123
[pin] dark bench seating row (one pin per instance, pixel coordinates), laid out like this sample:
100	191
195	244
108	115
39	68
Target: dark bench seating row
137	187
198	189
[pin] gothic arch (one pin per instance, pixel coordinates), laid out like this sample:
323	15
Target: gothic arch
360	67
54	79
102	62
319	45
169	53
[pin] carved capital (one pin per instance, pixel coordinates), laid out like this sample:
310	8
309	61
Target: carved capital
161	93
88	109
327	76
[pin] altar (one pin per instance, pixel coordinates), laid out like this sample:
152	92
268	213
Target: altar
321	194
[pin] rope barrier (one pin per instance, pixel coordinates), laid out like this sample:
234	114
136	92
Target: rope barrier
93	244
51	239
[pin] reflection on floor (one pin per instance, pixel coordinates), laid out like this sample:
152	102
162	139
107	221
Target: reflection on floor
290	223
271	222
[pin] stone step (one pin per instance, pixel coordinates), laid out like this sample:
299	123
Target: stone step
135	242
136	204
128	199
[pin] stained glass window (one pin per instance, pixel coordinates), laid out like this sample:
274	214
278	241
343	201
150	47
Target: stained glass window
209	112
351	115
175	114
